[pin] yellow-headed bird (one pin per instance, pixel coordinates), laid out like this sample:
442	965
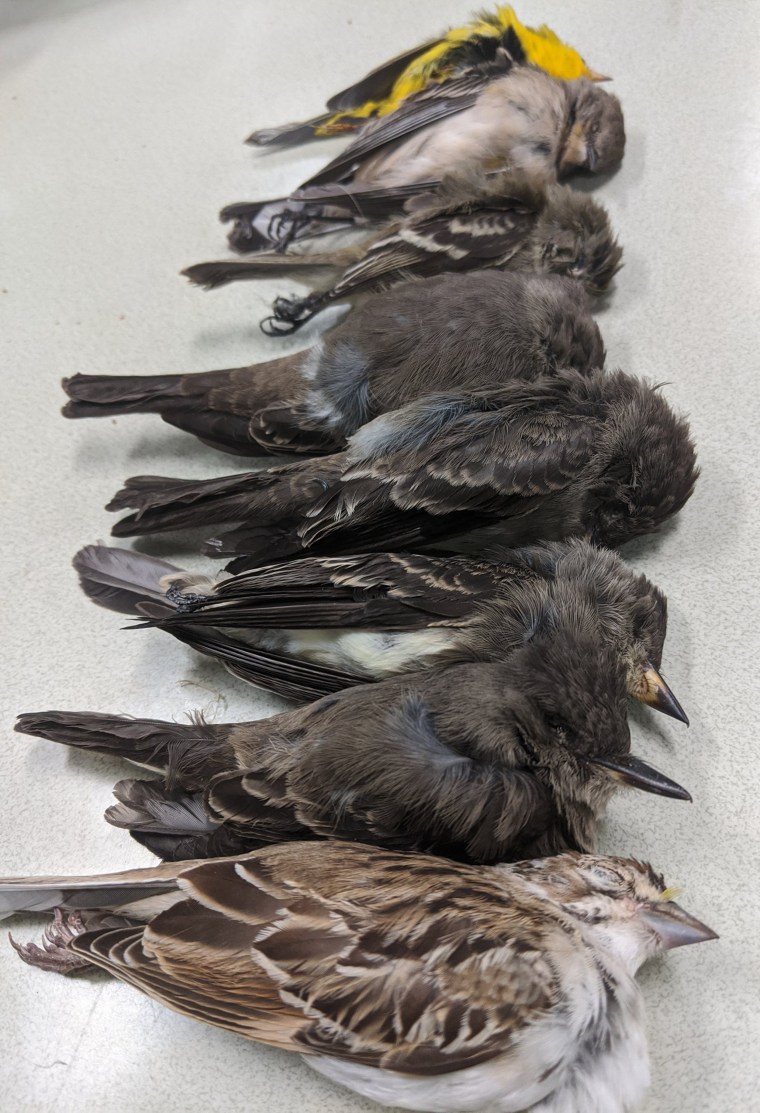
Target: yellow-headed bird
477	45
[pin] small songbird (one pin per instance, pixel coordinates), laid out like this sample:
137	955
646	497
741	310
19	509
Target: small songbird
478	49
312	626
573	455
484	762
522	121
504	221
454	332
423	985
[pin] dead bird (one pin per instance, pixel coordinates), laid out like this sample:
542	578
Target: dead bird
482	49
453	332
522	121
315	625
498	220
420	984
597	455
484	761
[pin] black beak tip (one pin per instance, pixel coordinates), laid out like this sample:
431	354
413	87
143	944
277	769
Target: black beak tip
683	794
673	708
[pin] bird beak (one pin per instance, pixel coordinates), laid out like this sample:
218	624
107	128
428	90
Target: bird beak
658	695
635	773
592	75
674	926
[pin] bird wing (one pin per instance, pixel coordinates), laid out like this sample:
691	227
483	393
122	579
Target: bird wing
472	235
377	84
412	965
417	111
487	45
391	591
358	199
372	764
457	457
291	677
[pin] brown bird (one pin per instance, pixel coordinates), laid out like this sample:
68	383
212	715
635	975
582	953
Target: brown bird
485	761
523	121
504	221
454	332
423	985
316	625
598	455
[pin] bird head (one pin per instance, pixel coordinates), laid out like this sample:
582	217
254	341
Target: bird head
573	237
622	904
570	728
558	310
646	463
595	141
593	585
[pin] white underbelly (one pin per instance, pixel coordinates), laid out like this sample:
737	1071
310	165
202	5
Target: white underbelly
367	652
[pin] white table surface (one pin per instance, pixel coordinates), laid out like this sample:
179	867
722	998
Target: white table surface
121	128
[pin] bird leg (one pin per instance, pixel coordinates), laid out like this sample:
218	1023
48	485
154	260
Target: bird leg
54	954
290	313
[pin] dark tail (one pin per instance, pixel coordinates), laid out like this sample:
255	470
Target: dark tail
172	823
127	582
167	504
105	395
276	496
220	273
288	135
188	755
215	274
214	406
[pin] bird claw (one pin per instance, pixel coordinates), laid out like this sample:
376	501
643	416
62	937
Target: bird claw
289	314
273	326
54	954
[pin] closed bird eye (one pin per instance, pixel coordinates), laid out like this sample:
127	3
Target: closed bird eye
560	728
607	878
530	752
561	250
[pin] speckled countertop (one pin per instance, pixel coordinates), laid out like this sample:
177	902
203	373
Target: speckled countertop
120	138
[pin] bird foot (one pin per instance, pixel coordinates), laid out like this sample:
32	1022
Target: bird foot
290	313
54	954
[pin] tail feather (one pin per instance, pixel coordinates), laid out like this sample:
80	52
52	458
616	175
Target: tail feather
288	135
124	581
105	395
275	496
187	754
139	893
219	273
148	806
172	824
161	503
183	401
215	274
